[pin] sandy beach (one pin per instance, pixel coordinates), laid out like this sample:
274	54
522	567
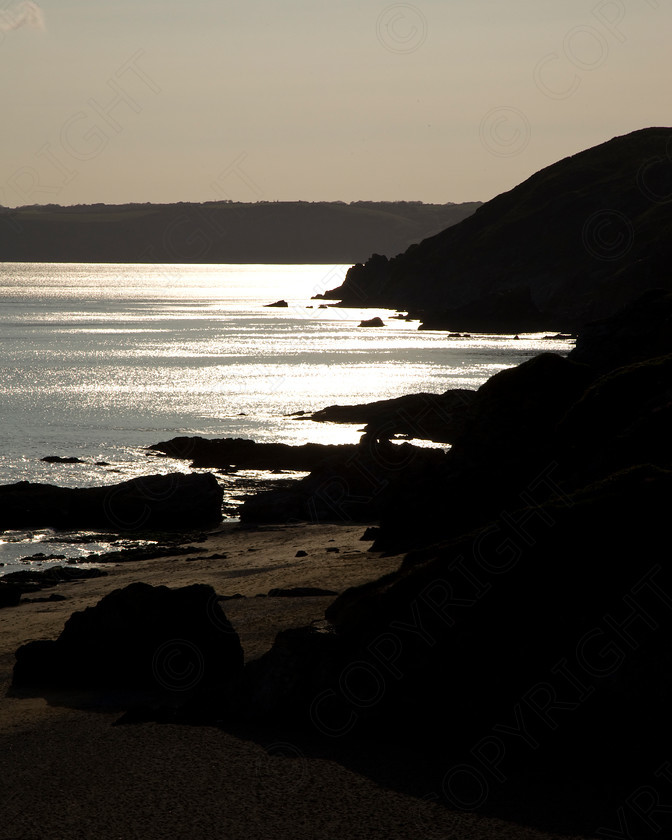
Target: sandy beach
71	773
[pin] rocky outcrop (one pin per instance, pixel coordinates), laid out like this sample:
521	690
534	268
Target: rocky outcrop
436	417
529	637
638	332
550	420
575	242
538	644
355	486
138	643
372	322
226	453
156	502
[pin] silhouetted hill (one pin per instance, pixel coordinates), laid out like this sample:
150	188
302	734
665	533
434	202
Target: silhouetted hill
220	232
575	242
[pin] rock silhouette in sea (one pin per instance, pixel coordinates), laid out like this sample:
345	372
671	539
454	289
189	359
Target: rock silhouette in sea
248	454
176	501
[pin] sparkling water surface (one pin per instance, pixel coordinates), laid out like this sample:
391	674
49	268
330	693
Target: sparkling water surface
97	361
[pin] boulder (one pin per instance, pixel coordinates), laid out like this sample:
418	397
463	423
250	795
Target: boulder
156	502
138	642
372	322
278	303
10	594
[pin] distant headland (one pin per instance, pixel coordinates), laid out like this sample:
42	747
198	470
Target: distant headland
222	231
577	241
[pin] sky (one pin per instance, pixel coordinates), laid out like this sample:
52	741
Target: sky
285	100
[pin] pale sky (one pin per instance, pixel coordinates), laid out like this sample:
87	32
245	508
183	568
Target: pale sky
203	100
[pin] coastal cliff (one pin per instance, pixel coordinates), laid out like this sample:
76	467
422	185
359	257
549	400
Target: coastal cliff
577	241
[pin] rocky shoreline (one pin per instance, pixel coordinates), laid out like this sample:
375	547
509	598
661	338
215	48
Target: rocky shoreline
526	633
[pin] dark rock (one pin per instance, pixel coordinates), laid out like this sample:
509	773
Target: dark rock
623	418
573	243
32	580
333	549
301	592
141	553
246	454
10	595
278	303
514	413
57	459
370	534
49	599
497	312
640	331
437	417
372	322
157	502
168	643
353	486
443	651
301	553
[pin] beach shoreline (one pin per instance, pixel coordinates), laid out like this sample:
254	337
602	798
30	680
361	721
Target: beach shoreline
70	773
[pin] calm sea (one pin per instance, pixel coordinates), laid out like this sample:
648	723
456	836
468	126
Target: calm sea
97	361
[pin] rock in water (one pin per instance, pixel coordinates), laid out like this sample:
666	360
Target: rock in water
155	502
145	640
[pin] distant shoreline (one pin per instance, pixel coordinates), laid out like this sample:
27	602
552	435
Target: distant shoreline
276	233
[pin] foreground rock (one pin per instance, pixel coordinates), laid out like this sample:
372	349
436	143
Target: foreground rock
10	594
156	502
536	646
436	417
138	643
531	639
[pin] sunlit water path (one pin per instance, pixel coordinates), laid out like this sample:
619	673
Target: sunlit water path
97	361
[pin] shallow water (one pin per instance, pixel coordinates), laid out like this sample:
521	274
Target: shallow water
97	361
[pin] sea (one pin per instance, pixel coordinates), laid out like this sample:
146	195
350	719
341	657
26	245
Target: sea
99	361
